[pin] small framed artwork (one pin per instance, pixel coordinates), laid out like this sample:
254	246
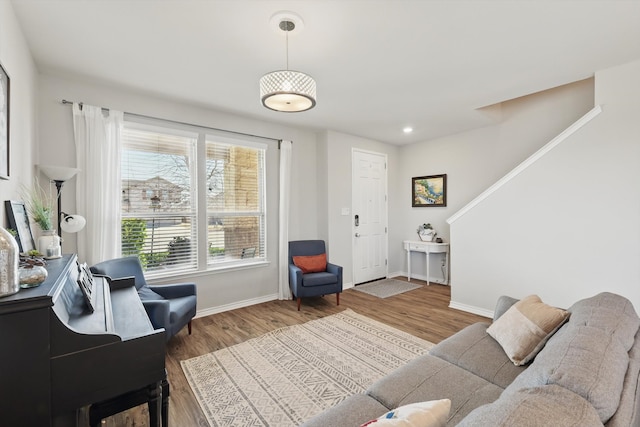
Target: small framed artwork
19	221
429	191
4	124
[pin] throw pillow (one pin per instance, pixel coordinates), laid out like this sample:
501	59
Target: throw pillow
311	263
433	413
524	328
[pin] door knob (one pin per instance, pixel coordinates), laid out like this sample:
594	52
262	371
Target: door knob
357	234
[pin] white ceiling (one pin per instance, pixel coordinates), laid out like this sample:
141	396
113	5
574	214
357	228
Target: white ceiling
380	65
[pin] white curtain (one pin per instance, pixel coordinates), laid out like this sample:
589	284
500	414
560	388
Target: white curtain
284	292
98	187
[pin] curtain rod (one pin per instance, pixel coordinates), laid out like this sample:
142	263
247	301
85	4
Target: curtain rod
64	101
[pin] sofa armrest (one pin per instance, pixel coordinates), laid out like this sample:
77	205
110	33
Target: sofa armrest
334	269
295	278
174	290
158	312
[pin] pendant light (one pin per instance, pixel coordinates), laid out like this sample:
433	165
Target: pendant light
287	90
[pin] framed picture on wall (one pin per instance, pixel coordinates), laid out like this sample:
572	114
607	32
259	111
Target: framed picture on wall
19	221
4	124
429	191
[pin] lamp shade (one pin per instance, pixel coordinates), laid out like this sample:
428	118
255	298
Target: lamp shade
72	223
58	173
288	91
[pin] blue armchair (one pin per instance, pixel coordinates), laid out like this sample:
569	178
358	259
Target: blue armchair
168	306
315	283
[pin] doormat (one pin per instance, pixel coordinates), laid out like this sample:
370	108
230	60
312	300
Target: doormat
386	287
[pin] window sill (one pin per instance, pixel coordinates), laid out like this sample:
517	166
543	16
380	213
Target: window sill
184	276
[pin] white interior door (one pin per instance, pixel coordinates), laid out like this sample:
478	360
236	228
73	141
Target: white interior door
369	216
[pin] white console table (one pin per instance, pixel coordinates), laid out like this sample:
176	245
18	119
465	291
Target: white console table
427	248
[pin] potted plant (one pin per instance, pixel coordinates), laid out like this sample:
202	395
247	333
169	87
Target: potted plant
40	208
426	232
38	205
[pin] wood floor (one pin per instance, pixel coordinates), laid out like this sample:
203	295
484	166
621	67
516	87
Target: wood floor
423	312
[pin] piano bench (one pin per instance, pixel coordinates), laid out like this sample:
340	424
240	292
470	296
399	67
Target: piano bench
100	410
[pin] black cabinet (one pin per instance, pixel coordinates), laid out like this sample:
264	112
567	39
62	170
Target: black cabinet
57	356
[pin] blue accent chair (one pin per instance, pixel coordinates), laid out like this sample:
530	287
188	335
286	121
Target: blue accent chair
313	284
168	306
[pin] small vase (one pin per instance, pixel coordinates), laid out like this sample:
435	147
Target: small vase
32	276
49	244
426	235
9	254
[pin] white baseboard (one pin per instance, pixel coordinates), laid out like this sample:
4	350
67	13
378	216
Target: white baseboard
235	305
471	309
246	303
272	297
436	280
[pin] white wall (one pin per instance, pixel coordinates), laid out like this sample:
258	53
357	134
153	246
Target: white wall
216	291
568	226
18	63
476	159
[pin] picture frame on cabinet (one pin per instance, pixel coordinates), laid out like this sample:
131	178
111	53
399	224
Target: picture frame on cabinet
429	191
18	220
4	123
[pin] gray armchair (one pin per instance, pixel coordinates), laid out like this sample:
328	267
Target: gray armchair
311	284
168	306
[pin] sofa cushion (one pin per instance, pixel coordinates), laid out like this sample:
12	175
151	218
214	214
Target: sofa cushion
609	312
586	360
549	405
472	349
431	378
351	412
433	413
524	328
319	279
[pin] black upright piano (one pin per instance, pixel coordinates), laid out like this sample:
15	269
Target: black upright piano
58	357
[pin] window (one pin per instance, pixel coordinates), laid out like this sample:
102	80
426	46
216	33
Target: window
235	203
161	187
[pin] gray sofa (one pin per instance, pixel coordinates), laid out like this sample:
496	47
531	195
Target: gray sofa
586	374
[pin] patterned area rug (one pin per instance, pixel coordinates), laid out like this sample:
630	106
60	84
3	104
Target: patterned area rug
386	287
287	376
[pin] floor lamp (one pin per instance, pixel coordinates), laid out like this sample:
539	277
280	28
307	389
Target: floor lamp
58	175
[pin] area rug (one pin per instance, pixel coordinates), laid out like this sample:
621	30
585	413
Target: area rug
386	287
287	376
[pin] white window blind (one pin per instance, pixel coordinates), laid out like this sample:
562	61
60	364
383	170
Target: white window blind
159	215
162	222
236	215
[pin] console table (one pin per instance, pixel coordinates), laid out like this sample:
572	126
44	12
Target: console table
427	248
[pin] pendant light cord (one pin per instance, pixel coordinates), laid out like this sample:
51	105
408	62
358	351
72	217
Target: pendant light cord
287	49
287	26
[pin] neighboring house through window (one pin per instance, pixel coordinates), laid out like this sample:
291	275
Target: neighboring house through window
168	171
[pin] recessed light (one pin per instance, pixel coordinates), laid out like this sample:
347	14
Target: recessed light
408	129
